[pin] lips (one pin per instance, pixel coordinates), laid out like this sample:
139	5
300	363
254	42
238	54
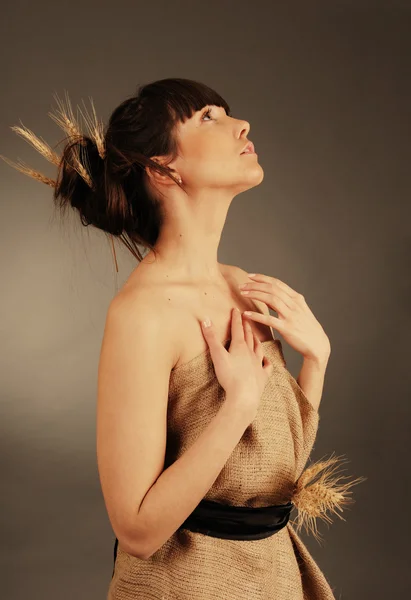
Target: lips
250	147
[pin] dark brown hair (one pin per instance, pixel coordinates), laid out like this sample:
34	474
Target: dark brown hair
142	126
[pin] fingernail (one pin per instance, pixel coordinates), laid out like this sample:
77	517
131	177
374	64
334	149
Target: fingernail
207	322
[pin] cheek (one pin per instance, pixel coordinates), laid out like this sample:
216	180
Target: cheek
213	168
206	163
210	160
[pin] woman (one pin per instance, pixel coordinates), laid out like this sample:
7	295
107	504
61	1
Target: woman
202	432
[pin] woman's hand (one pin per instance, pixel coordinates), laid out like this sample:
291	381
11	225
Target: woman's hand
244	369
295	321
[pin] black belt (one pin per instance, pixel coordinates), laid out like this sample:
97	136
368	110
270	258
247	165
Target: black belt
234	522
237	522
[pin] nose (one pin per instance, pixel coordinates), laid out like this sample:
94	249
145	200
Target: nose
245	128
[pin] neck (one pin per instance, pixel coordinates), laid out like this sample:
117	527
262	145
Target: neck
187	247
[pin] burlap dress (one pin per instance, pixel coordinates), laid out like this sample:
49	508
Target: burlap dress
261	471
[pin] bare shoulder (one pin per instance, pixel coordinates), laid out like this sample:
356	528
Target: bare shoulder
238	276
234	274
143	309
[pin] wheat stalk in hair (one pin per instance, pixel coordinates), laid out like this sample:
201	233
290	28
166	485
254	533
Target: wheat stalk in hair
64	117
78	166
95	128
30	172
39	144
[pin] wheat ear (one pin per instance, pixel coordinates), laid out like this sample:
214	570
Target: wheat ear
39	144
95	128
314	498
30	172
64	117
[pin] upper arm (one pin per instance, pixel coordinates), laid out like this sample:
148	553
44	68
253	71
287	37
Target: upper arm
133	380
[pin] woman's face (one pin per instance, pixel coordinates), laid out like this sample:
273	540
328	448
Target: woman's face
210	145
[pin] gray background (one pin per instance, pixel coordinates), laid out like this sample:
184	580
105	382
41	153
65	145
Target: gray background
326	89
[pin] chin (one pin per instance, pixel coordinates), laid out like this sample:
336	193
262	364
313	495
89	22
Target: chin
261	174
257	175
253	177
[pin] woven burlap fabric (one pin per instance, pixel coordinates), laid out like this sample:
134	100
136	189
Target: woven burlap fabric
261	471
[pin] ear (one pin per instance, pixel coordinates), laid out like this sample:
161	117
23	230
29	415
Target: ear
157	178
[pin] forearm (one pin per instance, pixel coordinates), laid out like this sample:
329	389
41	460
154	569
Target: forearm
181	487
311	379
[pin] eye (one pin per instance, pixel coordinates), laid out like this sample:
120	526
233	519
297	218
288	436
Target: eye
207	113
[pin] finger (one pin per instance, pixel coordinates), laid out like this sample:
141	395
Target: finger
280	302
256	343
216	348
237	330
249	335
264	362
267	279
269	320
268	366
277	299
259	350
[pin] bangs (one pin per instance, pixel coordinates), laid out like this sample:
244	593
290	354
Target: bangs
183	97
